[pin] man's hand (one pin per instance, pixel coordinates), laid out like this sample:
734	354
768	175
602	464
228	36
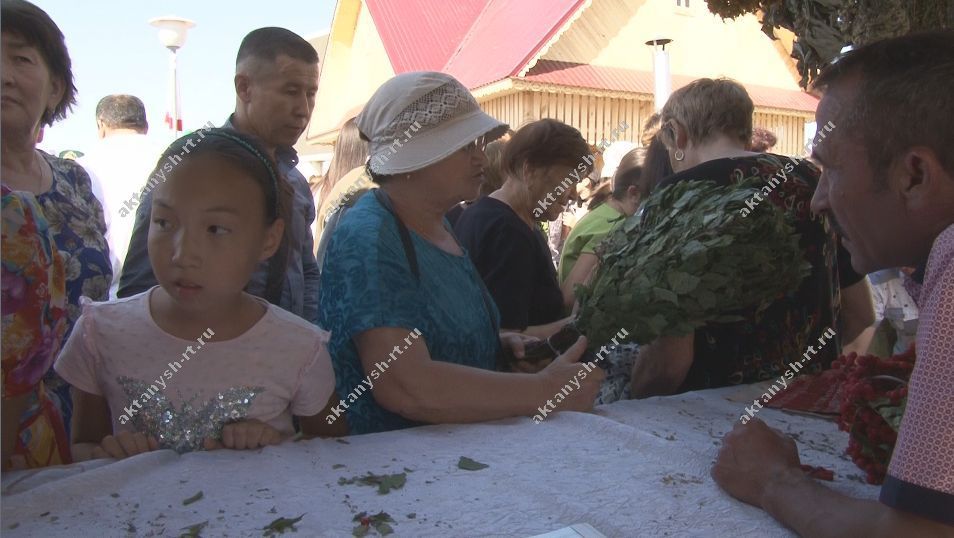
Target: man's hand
752	456
245	435
119	446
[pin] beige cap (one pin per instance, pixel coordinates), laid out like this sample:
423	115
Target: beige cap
417	119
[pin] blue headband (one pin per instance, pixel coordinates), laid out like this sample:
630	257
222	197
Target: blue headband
216	131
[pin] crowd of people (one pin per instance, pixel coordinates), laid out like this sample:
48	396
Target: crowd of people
234	305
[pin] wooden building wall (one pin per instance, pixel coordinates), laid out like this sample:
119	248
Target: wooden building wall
596	116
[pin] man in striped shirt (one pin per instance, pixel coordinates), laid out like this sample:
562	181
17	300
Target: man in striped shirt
888	187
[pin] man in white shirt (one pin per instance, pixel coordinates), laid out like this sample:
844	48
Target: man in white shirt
118	166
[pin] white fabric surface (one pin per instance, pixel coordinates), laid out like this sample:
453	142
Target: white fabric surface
634	468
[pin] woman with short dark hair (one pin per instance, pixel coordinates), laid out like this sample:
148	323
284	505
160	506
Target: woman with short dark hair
38	90
542	164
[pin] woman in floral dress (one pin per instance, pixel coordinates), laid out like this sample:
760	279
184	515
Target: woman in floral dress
37	90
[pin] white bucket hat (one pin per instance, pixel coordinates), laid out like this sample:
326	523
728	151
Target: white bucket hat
417	119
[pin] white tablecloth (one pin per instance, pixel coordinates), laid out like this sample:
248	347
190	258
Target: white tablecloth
634	468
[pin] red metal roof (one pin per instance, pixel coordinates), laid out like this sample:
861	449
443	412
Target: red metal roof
476	41
421	35
628	80
506	36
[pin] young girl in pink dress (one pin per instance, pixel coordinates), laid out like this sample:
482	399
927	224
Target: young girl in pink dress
196	362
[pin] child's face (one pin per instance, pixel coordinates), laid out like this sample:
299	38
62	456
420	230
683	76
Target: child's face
207	232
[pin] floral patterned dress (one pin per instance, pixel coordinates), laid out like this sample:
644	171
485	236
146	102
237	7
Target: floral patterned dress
34	323
76	222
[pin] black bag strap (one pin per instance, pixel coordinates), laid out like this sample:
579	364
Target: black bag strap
411	254
402	231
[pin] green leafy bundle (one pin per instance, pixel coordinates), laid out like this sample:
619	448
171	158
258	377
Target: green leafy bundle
688	258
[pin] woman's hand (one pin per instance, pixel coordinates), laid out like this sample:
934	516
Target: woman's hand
245	435
516	343
583	379
122	445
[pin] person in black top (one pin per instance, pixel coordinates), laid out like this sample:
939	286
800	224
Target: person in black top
541	165
706	128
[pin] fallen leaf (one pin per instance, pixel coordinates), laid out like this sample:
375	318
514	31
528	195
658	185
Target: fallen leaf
192	531
192	499
384	482
280	525
468	464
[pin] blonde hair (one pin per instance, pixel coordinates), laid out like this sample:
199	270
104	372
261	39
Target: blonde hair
709	107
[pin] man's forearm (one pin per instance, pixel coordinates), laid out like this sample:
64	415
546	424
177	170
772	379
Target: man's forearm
811	509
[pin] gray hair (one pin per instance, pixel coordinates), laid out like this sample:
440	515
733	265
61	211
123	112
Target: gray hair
122	112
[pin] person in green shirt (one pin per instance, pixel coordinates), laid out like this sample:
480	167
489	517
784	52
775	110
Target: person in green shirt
579	258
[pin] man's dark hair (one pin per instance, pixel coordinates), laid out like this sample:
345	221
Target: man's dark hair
37	29
271	42
903	98
122	112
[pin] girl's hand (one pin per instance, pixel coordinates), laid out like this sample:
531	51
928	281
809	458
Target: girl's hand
568	370
516	343
245	435
122	445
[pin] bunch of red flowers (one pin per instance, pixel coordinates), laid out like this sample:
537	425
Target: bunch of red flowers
873	396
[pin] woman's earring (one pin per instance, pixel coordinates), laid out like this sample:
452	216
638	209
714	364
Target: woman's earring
679	155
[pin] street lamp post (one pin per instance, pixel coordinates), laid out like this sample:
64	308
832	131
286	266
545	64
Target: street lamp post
172	34
663	81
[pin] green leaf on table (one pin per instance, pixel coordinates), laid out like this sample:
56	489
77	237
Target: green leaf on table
378	521
280	525
193	531
384	482
468	464
192	499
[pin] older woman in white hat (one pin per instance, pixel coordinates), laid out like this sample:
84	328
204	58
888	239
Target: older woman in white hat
410	319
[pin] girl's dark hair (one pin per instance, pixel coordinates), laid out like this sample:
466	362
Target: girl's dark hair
38	30
247	153
629	172
656	167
